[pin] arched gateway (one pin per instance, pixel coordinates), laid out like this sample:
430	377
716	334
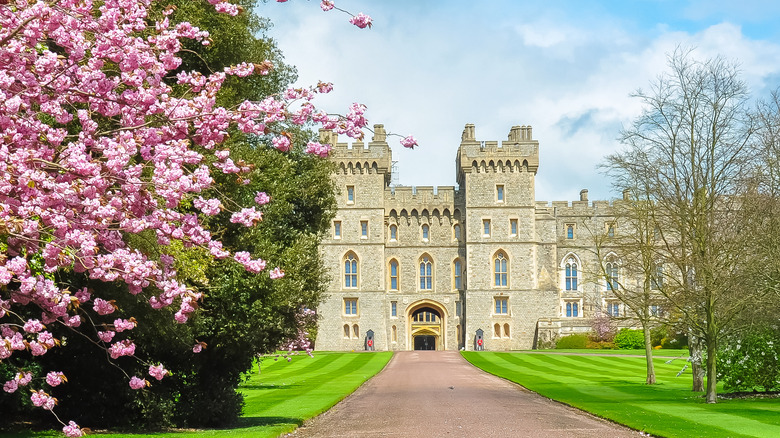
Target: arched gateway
427	329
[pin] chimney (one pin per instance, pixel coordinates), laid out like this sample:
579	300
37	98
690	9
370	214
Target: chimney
584	195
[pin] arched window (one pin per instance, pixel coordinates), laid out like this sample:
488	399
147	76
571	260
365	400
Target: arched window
612	274
355	331
425	232
456	231
506	330
497	330
571	273
457	274
393	274
500	270
350	271
394	337
426	273
346	330
393	232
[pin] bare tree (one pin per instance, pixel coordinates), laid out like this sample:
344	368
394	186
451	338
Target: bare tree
685	156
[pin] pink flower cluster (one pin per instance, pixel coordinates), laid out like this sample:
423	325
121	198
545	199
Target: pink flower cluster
361	20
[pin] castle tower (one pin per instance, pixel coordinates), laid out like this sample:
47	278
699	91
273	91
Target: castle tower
353	250
509	276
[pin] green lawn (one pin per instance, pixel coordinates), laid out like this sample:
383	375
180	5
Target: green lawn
613	388
664	352
286	394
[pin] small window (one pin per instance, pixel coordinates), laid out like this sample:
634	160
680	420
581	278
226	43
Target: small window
613	308
496	330
394	336
501	306
513	227
458	308
337	229
364	229
394	309
346	331
456	272
425	232
350	306
393	232
355	331
393	275
570	231
572	309
350	194
611	229
506	330
486	227
456	231
655	310
657	279
500	193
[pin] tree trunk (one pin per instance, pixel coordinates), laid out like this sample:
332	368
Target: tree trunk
696	369
712	379
649	357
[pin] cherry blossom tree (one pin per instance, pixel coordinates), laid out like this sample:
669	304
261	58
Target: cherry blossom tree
96	146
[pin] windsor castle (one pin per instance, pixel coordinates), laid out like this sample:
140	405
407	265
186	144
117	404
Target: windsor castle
483	265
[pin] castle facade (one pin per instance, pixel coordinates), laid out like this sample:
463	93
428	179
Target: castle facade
481	266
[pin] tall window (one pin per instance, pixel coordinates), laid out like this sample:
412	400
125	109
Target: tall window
657	279
613	279
346	331
571	274
426	273
393	275
350	194
570	231
394	336
611	229
499	193
506	330
500	270
456	231
486	227
425	232
363	229
355	331
337	229
394	309
458	308
513	227
572	309
350	306
393	232
502	307
350	271
456	272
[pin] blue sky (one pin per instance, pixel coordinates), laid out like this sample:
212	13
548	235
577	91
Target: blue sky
565	67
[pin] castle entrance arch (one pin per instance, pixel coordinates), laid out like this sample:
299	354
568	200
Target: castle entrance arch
427	326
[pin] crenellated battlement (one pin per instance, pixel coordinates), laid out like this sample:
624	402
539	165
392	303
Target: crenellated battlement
374	157
519	153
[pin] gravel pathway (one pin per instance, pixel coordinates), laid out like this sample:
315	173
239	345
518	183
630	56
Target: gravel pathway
438	393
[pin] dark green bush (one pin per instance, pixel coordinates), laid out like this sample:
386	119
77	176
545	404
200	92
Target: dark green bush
750	361
627	339
572	341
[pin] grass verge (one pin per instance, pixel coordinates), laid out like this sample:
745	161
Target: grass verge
613	388
284	395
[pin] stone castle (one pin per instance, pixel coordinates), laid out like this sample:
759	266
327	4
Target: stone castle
483	265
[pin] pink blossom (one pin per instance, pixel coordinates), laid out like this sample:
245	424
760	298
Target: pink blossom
157	371
282	143
72	430
247	216
121	348
10	386
33	326
42	399
54	378
137	382
276	273
409	142
103	307
23	378
315	148
209	207
197	348
123	324
326	5
106	336
262	198
361	20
